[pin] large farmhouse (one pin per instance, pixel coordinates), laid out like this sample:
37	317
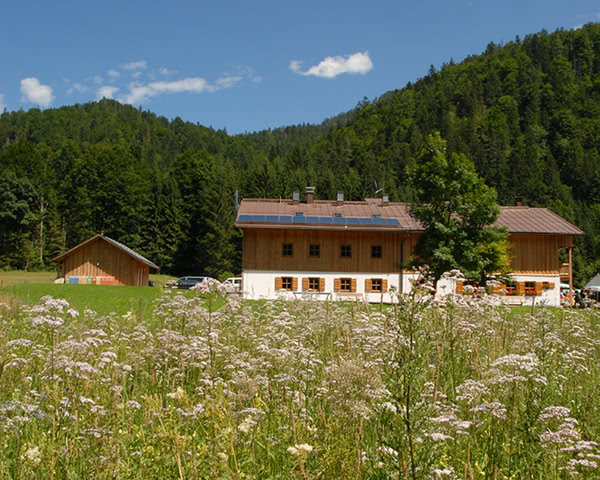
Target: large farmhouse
104	261
345	249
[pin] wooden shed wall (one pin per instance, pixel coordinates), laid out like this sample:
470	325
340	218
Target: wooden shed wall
262	250
101	259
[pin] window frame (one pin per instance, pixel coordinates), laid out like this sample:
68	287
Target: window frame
346	251
376	251
284	281
314	250
287	249
311	284
345	284
377	285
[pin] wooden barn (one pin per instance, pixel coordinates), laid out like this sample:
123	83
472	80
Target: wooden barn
104	261
346	249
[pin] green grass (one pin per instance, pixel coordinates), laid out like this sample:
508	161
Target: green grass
29	287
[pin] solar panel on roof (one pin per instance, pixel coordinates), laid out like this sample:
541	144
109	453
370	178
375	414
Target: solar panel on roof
272	219
339	220
245	218
258	218
366	221
392	221
379	221
352	221
326	220
299	219
312	219
285	219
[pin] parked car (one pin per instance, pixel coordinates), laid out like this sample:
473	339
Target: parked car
233	285
189	282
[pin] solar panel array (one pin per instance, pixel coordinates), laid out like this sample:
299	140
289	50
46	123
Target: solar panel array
310	220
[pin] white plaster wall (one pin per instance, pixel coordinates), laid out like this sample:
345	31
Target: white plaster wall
550	297
260	284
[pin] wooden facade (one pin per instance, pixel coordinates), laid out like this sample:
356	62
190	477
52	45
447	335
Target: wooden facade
262	250
103	258
531	254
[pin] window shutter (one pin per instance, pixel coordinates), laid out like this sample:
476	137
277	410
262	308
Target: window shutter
551	285
278	283
353	284
295	284
321	284
384	285
520	288
368	285
305	284
538	288
498	289
459	288
337	284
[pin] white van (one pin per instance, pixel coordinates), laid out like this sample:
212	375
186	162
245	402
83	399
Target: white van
233	285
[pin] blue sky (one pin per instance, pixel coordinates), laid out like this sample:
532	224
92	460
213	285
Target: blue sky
249	65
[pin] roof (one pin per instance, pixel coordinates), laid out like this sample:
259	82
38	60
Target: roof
594	282
119	245
373	215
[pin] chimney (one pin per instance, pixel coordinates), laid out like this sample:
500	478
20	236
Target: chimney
296	197
385	199
340	198
310	194
519	201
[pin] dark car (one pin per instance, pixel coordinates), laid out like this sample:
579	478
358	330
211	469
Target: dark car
189	282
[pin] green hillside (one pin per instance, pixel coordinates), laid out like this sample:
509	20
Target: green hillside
527	113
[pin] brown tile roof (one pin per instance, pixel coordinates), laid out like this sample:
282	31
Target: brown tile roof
119	245
524	220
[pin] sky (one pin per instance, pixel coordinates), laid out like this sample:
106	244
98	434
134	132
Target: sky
244	65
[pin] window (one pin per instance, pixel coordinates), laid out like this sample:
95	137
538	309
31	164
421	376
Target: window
346	251
529	288
314	250
314	284
345	284
287	250
375	251
286	283
376	285
511	288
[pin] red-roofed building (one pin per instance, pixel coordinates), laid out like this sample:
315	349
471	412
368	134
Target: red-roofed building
345	249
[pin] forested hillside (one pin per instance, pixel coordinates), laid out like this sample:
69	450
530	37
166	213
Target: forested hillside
527	113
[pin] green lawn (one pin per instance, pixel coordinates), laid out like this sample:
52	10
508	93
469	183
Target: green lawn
29	287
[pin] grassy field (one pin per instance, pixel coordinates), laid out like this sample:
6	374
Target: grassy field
29	287
283	390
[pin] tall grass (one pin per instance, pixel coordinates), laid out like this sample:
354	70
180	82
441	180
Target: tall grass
214	388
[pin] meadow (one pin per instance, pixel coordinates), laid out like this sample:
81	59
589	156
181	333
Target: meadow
215	387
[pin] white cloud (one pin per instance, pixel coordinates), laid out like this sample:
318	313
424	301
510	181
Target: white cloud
139	93
228	82
106	92
333	66
2	104
113	74
77	88
166	72
34	92
141	65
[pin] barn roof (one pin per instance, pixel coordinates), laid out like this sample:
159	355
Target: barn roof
374	215
119	245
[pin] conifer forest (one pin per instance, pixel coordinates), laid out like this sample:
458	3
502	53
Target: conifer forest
527	113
